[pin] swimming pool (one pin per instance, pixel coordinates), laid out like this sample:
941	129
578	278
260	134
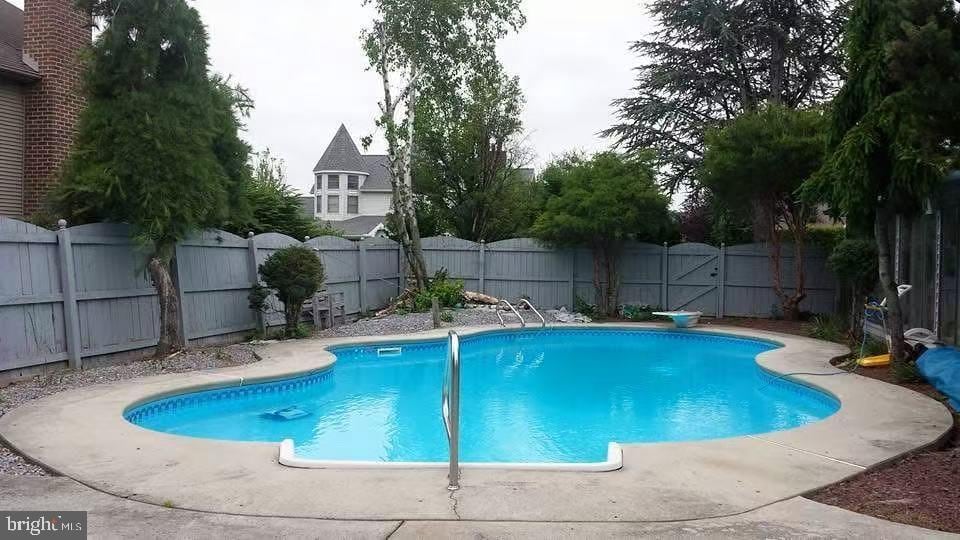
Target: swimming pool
527	396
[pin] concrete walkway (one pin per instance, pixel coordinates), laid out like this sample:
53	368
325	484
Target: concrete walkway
115	517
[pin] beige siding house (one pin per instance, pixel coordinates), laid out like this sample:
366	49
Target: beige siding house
40	97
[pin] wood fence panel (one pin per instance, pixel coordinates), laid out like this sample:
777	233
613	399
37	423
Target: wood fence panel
215	284
382	271
341	263
523	268
460	258
31	301
116	301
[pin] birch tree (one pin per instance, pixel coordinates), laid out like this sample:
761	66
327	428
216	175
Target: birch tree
422	47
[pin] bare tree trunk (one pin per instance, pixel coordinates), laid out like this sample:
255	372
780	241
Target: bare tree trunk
898	347
171	335
612	256
774	254
291	318
800	244
597	281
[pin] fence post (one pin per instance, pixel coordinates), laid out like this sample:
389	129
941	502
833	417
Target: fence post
181	295
573	278
362	267
665	277
71	316
254	276
721	279
483	266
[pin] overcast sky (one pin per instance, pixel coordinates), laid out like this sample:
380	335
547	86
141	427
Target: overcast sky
302	62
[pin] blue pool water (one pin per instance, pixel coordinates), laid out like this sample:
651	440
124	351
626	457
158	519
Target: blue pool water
554	395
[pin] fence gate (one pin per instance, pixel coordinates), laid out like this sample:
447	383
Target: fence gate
693	272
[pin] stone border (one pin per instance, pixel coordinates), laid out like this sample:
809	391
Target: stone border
82	434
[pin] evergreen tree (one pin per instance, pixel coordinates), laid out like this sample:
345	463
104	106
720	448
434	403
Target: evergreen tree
157	145
895	125
710	60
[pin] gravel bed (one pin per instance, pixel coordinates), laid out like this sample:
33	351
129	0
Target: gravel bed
419	322
19	393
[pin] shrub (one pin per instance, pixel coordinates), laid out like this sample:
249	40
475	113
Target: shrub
294	274
446	316
854	260
640	312
448	292
828	328
583	307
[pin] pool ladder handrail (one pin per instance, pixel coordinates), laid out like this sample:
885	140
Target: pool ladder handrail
543	321
523	323
450	408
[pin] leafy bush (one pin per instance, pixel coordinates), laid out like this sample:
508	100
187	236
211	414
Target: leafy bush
448	292
584	308
854	260
294	274
640	312
446	316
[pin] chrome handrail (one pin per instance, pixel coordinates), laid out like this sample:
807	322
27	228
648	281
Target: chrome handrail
543	322
523	323
450	408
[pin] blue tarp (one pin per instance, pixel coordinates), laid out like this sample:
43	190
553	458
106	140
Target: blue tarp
941	367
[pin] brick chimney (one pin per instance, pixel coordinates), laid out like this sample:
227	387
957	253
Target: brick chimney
54	34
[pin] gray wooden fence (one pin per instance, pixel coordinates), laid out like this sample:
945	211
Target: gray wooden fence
725	281
83	291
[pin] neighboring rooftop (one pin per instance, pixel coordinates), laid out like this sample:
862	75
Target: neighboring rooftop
358	226
11	44
378	167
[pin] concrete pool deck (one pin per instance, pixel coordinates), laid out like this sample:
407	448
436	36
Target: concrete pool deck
82	434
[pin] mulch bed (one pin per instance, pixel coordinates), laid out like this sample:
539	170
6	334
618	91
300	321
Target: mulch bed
797	328
922	489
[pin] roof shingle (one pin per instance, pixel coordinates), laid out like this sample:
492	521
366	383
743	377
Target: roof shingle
341	154
378	167
11	44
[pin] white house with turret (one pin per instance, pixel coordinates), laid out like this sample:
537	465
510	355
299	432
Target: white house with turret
351	190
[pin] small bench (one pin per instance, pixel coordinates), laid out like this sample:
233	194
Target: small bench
324	307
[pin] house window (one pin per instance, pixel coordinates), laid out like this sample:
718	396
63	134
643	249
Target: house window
333	181
353	181
333	204
353	204
319	182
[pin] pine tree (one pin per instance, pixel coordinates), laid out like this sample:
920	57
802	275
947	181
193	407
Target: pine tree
157	144
894	125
